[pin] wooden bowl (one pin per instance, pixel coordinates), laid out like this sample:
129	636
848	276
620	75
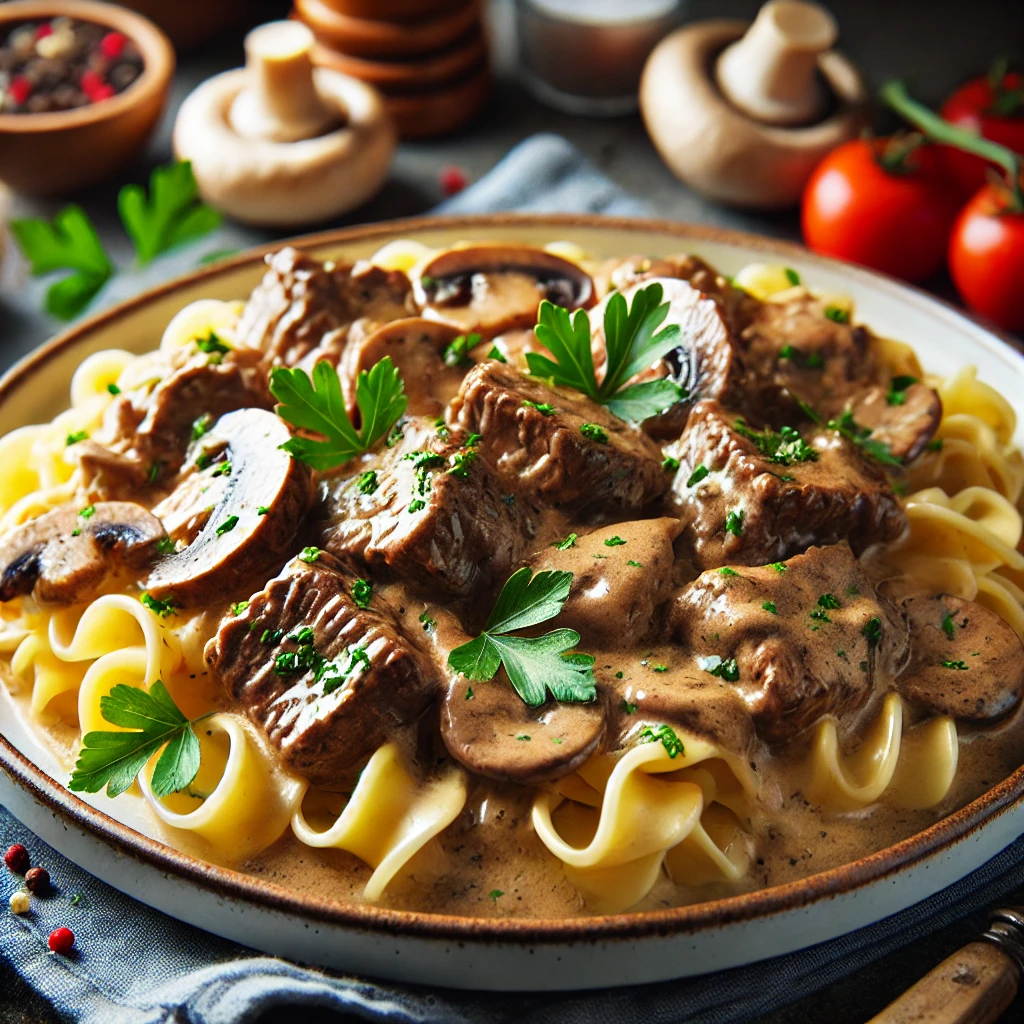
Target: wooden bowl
191	23
55	153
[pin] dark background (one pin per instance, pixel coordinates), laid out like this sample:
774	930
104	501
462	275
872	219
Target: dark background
934	45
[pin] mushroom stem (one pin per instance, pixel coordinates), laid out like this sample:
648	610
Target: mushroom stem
771	73
281	103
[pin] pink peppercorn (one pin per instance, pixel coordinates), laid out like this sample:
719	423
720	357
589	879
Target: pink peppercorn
452	180
17	859
61	940
44	30
90	82
104	92
20	89
112	44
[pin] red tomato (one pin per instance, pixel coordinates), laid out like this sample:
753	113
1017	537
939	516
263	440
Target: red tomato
986	258
894	221
976	107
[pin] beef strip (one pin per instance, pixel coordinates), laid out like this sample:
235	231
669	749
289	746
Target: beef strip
811	640
967	662
436	514
382	680
546	454
304	309
146	432
774	509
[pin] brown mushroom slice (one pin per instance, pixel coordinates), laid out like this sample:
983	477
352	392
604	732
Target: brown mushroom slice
416	346
239	541
64	556
967	662
492	287
488	728
905	424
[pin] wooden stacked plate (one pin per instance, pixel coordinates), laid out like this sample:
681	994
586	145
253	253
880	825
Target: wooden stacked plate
428	57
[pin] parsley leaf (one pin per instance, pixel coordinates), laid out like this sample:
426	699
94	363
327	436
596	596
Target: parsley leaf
958	666
698	474
534	664
837	314
457	353
69	243
897	393
848	427
161	609
666	736
715	666
568	542
317	405
171	215
734	522
947	625
633	343
782	448
114	759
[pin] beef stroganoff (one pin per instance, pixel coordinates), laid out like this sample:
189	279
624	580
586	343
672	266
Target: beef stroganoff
501	581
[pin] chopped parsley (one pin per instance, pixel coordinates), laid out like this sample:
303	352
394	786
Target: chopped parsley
935	444
212	344
958	666
810	361
457	353
637	565
227	526
469	693
271	636
897	393
568	542
769	606
113	389
459	463
664	735
203	461
627	707
523	737
88	512
873	631
698	474
309	555
473	440
306	658
848	427
367	482
222	469
495	895
166	546
75	437
820	615
614	542
495	353
424	463
362	593
670	463
593	432
734	522
726	571
442	430
238	607
829	601
429	624
544	408
837	314
947	624
726	669
782	448
792	276
779	567
201	426
262	510
161	609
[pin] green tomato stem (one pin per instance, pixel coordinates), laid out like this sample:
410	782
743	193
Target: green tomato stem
895	96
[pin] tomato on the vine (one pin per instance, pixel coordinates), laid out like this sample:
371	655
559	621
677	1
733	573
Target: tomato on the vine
986	256
881	203
991	107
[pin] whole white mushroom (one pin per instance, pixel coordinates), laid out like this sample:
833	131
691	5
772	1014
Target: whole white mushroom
280	142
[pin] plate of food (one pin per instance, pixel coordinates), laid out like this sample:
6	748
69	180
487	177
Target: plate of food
517	602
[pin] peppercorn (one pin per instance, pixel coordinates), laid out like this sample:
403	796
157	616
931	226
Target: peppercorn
38	881
20	902
61	940
16	858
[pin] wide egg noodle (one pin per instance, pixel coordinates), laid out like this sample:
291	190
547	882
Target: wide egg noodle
391	815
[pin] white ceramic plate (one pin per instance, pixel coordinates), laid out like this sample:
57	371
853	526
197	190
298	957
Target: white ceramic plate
507	954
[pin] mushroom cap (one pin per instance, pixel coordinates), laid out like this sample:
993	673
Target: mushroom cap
491	287
497	735
286	183
716	149
63	557
223	558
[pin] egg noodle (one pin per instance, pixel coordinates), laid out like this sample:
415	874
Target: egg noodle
621	820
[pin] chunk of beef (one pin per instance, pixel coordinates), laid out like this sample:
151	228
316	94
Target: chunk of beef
329	698
146	432
622	575
556	445
66	555
738	503
813	639
967	662
303	308
435	513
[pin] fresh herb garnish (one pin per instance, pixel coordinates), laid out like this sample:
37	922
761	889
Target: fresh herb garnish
568	542
151	721
495	353
935	444
727	571
457	353
262	510
837	314
166	546
670	463
424	463
880	451
317	405
664	735
367	482
69	243
726	669
222	469
638	565
592	432
88	512
171	215
614	542
429	624
362	593
212	344
958	666
829	601
897	393
699	473
734	522
496	894
791	276
628	708
779	567
227	526
534	665
782	448
947	624
161	609
633	343
544	408
113	389
459	463
75	437
201	425
769	606
238	607
309	554
873	631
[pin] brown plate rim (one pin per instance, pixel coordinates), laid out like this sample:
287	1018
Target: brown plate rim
689	919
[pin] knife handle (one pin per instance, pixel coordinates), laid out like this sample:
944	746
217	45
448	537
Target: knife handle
973	986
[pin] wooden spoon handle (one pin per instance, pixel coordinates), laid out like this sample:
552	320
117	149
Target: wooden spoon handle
973	986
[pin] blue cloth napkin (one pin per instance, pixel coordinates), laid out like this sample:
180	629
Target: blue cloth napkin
134	965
